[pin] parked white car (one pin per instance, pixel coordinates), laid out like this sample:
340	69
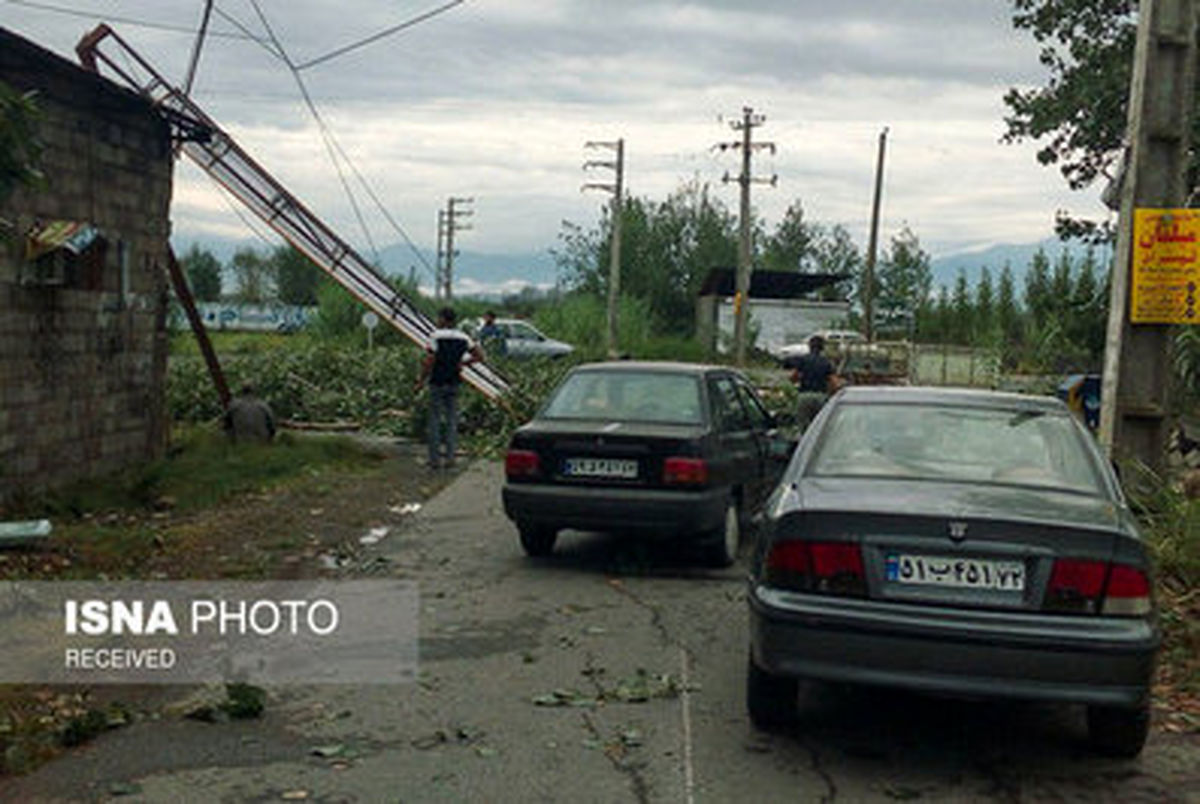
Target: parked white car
522	339
835	339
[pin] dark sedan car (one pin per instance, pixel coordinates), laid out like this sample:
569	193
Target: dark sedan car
651	449
957	542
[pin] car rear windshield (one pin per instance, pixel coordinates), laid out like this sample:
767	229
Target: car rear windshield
634	396
972	444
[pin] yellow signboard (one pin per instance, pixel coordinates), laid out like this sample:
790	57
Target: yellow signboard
1166	267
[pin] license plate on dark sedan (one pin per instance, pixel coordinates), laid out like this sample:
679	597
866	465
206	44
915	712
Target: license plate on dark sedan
600	467
959	573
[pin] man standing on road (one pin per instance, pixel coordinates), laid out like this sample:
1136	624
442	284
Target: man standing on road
490	335
813	375
448	350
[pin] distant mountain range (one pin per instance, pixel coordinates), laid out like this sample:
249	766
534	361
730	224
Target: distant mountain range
994	258
486	274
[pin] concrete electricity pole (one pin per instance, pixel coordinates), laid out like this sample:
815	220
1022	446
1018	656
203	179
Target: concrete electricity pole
452	225
439	280
1134	401
741	301
617	188
868	299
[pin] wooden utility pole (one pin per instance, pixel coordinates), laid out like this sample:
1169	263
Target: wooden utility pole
868	298
1134	396
617	188
741	301
452	225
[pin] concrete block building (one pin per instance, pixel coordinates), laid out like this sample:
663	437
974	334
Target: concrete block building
83	293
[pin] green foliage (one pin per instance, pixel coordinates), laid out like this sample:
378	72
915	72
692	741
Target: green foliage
339	315
310	380
1185	358
297	278
20	145
254	276
666	250
792	242
904	280
1171	523
581	319
1080	113
203	271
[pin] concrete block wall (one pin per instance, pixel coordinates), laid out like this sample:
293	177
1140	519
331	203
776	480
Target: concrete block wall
82	371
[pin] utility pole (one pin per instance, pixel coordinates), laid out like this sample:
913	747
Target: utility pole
741	301
868	299
195	60
1134	396
617	188
440	266
452	225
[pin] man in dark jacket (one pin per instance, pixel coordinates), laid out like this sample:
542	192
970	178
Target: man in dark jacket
813	374
447	351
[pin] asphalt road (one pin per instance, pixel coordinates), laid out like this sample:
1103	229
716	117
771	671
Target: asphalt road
647	656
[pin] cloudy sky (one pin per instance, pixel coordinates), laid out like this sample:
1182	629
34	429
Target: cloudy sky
495	99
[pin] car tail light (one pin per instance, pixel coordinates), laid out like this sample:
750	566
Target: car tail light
831	568
1087	586
685	472
1128	592
522	463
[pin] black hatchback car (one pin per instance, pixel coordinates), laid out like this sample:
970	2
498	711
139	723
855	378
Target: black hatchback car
650	449
956	542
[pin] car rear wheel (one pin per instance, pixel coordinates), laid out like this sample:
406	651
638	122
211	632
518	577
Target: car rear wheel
770	699
538	540
722	545
1118	731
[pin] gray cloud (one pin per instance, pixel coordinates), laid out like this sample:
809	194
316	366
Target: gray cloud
499	95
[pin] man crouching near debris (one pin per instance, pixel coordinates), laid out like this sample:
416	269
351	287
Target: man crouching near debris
249	420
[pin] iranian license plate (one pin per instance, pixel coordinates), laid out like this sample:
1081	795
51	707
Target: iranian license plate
600	467
958	573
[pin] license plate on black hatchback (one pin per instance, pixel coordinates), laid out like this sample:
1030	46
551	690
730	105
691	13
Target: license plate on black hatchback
600	467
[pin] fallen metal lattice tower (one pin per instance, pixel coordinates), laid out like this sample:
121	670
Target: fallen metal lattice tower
210	147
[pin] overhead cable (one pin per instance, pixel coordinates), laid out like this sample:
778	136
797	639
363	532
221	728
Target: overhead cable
395	29
325	136
91	15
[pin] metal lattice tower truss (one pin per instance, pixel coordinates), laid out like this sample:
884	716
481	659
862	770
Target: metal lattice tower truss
218	155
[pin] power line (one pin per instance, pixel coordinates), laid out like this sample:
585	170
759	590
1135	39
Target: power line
332	142
395	29
325	136
158	26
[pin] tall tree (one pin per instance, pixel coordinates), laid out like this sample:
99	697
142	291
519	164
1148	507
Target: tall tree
792	243
667	248
1008	315
1038	299
253	272
1079	115
203	271
985	308
905	281
835	253
962	311
296	277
